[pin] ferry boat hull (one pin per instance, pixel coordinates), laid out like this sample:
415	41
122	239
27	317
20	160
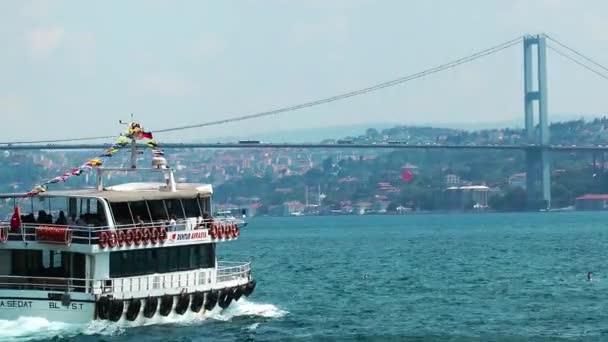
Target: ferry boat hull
16	304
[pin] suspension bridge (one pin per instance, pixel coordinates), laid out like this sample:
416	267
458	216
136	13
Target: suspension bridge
537	147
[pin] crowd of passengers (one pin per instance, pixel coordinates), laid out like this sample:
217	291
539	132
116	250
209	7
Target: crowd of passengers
95	220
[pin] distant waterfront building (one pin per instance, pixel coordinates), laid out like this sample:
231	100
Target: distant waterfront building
592	202
293	208
518	180
451	180
459	198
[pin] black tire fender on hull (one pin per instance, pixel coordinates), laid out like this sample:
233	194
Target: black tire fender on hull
211	300
103	308
225	299
133	309
166	305
117	306
238	292
250	287
183	301
150	307
198	299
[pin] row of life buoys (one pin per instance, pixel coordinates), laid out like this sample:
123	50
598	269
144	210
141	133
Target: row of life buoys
3	234
224	230
128	237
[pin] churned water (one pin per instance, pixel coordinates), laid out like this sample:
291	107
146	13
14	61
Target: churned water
484	277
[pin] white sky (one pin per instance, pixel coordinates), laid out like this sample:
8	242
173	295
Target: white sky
74	68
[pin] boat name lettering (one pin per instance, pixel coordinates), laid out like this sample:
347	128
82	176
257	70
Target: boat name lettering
72	306
15	303
196	235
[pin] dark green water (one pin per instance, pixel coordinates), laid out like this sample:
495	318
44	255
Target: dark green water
485	277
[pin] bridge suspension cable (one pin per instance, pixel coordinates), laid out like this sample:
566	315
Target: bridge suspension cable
379	86
574	60
427	72
576	52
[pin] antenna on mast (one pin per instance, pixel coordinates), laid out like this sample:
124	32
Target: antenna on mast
133	144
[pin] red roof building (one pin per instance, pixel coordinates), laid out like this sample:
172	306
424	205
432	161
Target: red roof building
592	202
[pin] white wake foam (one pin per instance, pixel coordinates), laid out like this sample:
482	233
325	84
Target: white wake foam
35	328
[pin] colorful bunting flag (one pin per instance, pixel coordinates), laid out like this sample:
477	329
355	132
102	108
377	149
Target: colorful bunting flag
134	132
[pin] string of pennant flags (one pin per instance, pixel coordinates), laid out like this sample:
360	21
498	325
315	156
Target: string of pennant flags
134	132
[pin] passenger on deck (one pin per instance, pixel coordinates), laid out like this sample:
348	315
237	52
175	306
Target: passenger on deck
72	221
139	221
207	219
42	217
61	220
172	223
29	218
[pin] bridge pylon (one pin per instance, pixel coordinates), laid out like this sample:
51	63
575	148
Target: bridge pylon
538	166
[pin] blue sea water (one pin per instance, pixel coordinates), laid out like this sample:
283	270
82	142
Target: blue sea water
465	277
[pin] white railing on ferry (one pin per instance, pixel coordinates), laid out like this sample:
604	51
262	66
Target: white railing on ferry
89	235
225	275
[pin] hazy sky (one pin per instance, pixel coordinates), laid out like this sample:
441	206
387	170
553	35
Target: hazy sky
74	68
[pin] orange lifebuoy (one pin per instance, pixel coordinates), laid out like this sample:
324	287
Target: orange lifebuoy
129	237
103	240
213	231
233	228
237	230
121	237
112	240
227	230
137	236
146	235
162	234
3	234
154	235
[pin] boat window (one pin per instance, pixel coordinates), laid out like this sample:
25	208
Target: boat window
192	208
26	262
90	212
41	210
121	213
205	204
42	263
56	206
140	209
174	206
157	210
161	260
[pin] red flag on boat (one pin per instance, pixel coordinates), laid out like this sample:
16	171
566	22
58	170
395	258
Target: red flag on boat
407	176
16	219
144	135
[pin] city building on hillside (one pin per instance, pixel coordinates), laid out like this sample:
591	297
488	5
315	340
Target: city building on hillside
518	180
293	208
362	207
451	180
466	197
592	202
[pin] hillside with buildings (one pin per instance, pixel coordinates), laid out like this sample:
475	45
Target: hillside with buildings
347	181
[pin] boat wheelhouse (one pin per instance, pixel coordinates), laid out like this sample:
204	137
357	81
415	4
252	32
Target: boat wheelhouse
130	252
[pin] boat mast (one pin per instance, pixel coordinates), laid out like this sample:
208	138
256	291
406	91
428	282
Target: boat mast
133	154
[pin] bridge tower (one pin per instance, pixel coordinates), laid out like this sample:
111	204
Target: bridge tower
538	168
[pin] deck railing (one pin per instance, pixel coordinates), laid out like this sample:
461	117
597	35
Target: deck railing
89	235
122	287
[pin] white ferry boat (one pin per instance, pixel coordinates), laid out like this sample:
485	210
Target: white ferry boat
121	253
227	215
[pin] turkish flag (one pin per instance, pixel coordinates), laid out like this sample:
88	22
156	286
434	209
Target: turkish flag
16	219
